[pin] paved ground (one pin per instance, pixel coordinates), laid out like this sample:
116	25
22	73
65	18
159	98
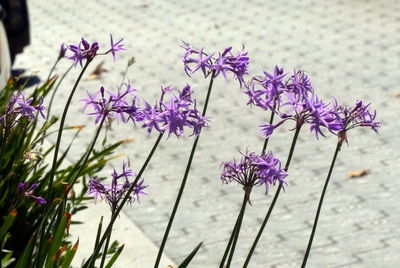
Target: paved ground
350	49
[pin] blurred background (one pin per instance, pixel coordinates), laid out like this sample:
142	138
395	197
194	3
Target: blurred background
350	50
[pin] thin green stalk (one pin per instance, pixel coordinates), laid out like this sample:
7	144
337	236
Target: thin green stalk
230	248
271	120
52	68
321	200
103	258
271	207
183	183
90	261
56	89
98	232
82	166
60	130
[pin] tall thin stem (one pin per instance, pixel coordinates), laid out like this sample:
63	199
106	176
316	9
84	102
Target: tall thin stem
321	200
271	207
96	136
92	258
52	68
271	120
103	259
237	231
60	130
56	89
233	235
183	183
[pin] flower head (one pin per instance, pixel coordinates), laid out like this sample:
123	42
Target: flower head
26	190
291	99
118	46
83	51
63	50
114	105
174	115
346	118
253	170
19	107
226	62
117	190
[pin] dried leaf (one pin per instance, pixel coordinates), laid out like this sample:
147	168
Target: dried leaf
397	95
358	173
98	71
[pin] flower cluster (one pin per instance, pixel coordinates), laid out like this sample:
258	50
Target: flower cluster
253	170
116	191
295	99
86	51
225	62
115	105
174	115
292	99
347	118
24	190
18	107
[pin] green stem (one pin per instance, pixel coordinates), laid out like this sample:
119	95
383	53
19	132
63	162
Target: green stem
183	183
82	166
52	68
56	89
235	234
271	120
92	258
321	200
228	246
271	207
103	259
60	130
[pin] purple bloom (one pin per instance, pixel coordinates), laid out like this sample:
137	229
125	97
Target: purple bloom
116	191
174	115
226	62
19	107
24	190
346	118
115	46
293	99
63	50
83	51
253	170
265	91
115	106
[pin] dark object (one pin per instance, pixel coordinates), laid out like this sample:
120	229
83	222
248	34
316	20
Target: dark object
14	14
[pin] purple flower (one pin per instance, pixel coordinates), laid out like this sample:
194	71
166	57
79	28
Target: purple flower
265	91
24	190
346	118
175	114
114	106
19	107
63	50
115	46
83	51
116	191
225	63
293	99
253	170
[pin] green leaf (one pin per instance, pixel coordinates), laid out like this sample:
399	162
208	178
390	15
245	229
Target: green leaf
189	258
57	240
25	258
7	223
69	256
114	257
7	260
